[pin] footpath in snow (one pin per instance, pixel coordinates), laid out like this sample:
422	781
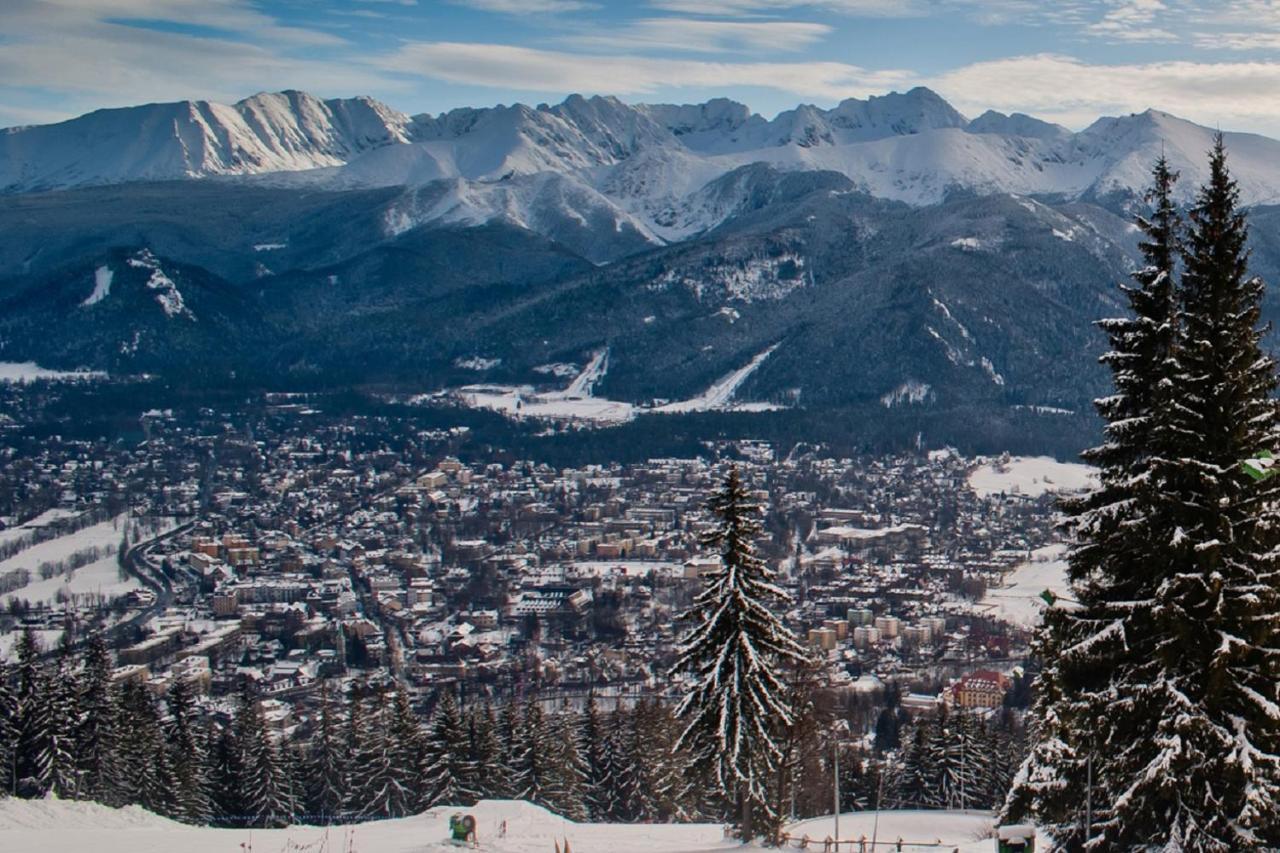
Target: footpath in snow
503	826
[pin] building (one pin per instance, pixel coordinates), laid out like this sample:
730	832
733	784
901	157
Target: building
981	689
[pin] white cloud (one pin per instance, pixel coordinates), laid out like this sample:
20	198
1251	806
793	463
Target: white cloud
1067	90
1238	41
739	8
704	36
527	69
1133	21
93	55
525	7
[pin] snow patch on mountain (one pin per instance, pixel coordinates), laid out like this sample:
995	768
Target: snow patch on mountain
102	277
909	392
164	289
752	279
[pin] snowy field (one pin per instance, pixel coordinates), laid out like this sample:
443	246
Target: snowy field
577	401
103	535
29	371
42	520
50	826
1031	476
1019	600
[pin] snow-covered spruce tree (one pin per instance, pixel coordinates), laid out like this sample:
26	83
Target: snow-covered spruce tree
492	779
1167	674
8	731
379	775
409	743
146	762
33	720
64	717
97	736
1099	658
449	774
736	652
565	794
190	764
1217	613
327	768
265	789
913	782
533	764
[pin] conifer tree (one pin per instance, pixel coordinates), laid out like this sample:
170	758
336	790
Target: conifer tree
735	652
491	774
1162	685
31	761
8	732
448	774
592	738
408	745
225	773
327	774
509	725
533	764
190	763
265	789
913	784
146	762
564	792
64	717
97	736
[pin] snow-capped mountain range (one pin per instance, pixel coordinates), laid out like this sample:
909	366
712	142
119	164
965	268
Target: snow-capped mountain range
651	169
885	269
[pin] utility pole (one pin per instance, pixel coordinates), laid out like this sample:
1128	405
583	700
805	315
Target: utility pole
838	728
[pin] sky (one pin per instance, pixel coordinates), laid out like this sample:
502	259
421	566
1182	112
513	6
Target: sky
1216	62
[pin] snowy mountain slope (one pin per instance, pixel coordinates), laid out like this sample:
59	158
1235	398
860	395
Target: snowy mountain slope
642	163
287	131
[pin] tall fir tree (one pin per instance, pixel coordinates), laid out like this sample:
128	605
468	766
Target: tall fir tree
266	792
33	720
1162	685
64	718
8	732
565	794
408	743
533	762
492	780
98	735
190	763
449	773
145	758
736	651
327	768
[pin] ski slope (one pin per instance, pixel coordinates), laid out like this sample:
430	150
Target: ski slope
52	826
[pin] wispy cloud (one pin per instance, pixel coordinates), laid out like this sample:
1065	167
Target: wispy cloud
1073	92
741	8
110	52
527	69
1133	21
704	36
526	7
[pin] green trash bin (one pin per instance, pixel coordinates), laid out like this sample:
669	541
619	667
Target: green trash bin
1016	838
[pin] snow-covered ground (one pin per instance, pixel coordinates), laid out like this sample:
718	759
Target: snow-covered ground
578	403
51	826
43	519
1019	600
99	577
29	371
1031	476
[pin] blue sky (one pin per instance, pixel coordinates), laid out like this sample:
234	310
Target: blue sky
1214	61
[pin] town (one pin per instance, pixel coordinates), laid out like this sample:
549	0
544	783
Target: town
286	547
